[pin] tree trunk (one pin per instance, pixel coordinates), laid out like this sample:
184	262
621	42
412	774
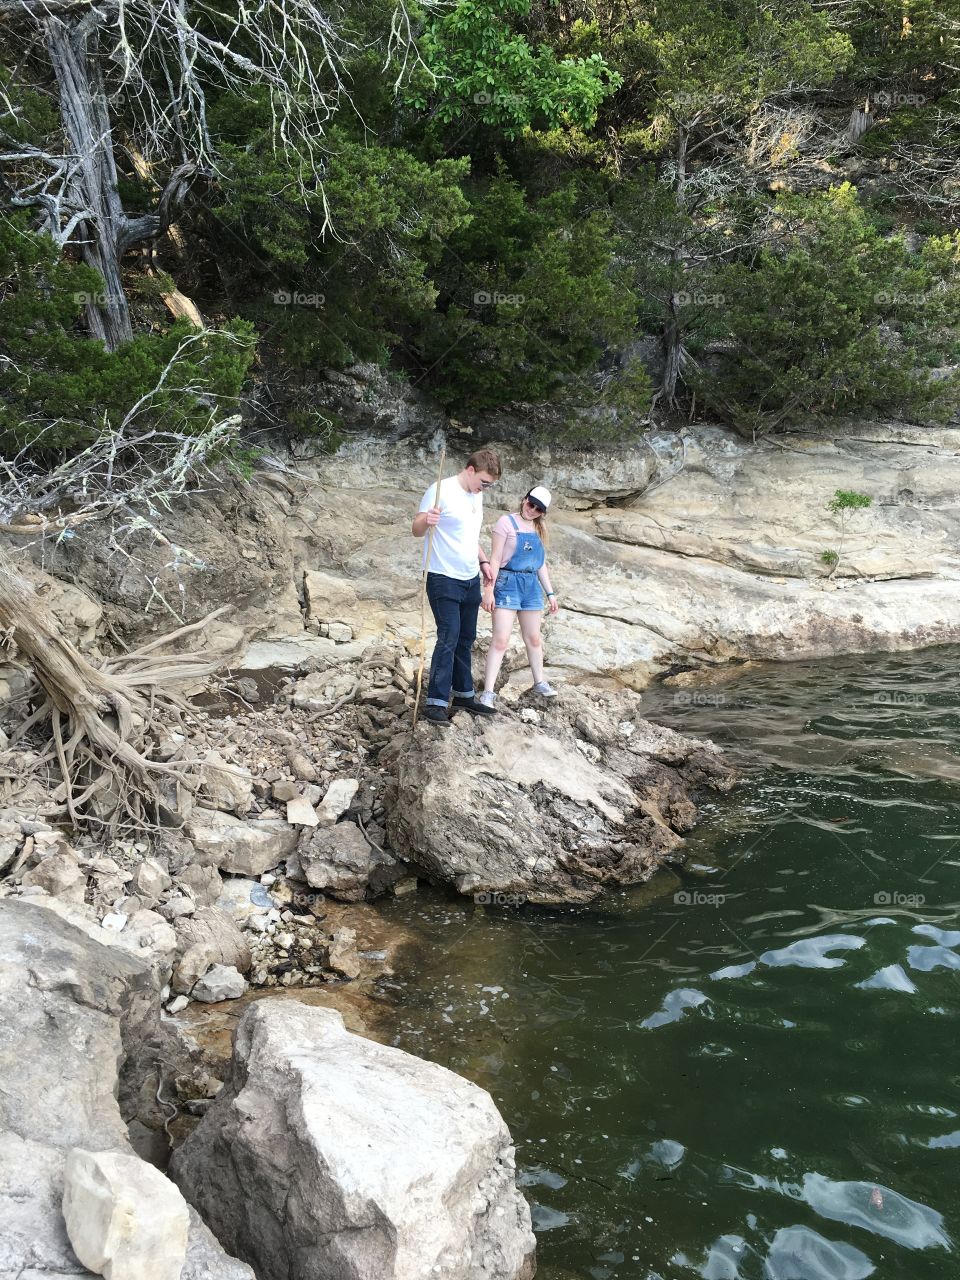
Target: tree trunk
671	338
671	342
74	54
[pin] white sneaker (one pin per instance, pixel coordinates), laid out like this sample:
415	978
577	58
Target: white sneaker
488	699
545	689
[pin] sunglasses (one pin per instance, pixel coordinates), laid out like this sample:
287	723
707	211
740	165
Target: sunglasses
532	502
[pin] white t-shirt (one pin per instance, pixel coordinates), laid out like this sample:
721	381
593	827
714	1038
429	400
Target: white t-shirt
457	536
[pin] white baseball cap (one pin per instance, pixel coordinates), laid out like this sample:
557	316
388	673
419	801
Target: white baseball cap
541	495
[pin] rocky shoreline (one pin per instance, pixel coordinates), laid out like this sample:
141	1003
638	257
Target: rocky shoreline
314	798
249	914
411	1173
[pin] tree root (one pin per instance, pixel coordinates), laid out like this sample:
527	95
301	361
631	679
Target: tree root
102	720
331	707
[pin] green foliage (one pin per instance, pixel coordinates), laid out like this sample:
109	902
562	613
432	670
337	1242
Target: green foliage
817	324
848	500
479	64
530	294
506	212
335	273
841	504
57	386
695	65
29	116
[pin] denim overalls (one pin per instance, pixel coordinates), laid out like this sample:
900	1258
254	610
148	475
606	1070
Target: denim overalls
517	585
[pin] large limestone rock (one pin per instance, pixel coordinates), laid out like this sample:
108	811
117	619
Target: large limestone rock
684	545
329	599
339	859
146	935
719	556
581	794
243	848
125	1220
692	545
226	787
76	1014
207	938
329	1155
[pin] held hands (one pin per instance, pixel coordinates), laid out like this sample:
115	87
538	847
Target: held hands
487	572
486	602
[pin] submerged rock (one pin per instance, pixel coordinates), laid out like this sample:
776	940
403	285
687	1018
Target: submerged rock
590	796
326	1154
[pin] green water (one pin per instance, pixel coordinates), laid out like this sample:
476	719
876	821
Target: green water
750	1070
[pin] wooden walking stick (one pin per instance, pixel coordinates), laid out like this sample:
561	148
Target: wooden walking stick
423	593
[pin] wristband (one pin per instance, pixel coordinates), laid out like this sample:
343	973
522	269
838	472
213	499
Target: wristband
550	593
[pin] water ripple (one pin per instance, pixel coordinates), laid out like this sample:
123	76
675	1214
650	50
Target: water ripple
878	1209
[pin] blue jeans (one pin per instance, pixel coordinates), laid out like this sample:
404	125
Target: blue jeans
455	604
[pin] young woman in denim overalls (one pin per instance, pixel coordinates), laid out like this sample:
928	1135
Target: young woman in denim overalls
518	588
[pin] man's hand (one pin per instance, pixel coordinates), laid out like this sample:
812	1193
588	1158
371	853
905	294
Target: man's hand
425	520
486	602
486	571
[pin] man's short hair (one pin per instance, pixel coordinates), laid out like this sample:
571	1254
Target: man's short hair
485	460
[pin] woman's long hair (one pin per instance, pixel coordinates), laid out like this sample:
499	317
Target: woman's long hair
539	522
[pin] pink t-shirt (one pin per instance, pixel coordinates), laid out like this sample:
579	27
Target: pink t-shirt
505	525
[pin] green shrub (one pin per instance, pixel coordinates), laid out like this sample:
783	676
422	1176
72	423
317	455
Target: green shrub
58	386
835	319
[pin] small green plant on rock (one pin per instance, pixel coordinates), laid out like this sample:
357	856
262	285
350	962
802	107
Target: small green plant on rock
843	502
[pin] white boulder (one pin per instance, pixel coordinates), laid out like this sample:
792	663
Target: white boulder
125	1220
327	1154
243	848
220	982
338	799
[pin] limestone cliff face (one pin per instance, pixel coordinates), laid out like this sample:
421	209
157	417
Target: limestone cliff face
686	546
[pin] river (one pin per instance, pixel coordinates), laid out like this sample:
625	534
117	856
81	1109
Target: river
748	1069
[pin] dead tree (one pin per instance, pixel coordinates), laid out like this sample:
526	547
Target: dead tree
152	65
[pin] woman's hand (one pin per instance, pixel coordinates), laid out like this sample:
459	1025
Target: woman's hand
486	601
552	602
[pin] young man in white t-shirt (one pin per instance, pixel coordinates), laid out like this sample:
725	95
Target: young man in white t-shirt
457	561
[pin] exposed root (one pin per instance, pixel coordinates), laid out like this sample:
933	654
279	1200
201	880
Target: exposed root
103	721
